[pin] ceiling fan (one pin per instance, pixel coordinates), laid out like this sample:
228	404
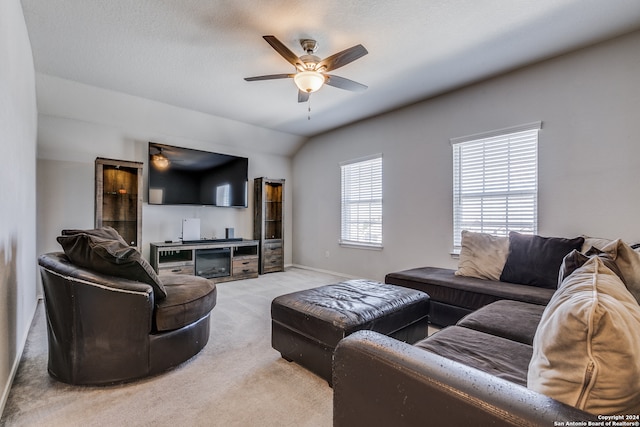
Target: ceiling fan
312	71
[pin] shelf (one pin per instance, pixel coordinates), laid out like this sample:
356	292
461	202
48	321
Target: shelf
172	256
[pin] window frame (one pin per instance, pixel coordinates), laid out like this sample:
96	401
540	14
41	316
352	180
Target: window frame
377	199
529	194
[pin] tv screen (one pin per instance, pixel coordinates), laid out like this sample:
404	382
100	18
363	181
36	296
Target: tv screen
184	176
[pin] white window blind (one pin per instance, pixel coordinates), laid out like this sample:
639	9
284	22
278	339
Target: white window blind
495	182
362	202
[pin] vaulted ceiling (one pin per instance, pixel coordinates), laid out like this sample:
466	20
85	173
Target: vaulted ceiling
195	53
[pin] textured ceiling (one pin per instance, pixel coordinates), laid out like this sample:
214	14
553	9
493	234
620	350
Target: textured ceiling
195	53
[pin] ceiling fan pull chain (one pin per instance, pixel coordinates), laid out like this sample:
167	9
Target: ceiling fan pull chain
309	109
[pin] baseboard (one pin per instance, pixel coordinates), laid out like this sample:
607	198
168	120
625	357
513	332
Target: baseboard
319	270
16	362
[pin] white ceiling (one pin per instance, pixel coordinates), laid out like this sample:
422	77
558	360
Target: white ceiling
195	53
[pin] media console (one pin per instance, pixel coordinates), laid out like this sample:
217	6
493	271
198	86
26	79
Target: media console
220	260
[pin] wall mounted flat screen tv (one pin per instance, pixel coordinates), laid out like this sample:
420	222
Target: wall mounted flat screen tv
184	176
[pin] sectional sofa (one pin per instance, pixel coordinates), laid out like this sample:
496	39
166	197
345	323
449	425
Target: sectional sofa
571	357
484	276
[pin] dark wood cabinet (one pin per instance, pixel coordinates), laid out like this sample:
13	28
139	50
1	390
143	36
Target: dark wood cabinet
268	223
119	198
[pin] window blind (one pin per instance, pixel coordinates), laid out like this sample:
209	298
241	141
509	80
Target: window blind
361	202
495	182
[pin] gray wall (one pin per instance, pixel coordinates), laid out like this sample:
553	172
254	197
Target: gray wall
78	123
17	191
589	103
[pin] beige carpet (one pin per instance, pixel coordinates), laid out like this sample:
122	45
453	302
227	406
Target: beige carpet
236	380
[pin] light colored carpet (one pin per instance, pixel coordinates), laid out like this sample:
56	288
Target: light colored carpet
236	380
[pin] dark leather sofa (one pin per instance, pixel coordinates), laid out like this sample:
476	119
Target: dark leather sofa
453	297
475	371
104	329
470	374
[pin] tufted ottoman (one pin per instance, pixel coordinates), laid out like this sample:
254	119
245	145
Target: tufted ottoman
307	325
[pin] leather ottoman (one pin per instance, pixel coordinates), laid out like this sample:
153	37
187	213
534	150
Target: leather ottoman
307	325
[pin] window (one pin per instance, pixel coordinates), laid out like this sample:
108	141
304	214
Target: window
495	182
362	202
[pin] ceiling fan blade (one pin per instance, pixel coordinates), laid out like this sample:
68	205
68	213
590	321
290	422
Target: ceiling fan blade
342	83
303	96
341	59
284	52
269	77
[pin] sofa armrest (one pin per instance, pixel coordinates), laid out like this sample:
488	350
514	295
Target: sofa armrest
380	381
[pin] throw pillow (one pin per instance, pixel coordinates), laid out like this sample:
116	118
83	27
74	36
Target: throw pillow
482	255
570	263
576	259
535	260
628	261
111	256
104	232
594	242
586	346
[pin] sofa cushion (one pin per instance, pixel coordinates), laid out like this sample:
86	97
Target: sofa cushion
585	351
189	298
535	260
112	257
482	255
489	353
513	320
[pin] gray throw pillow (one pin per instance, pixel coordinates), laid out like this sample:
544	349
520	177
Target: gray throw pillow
112	257
105	232
535	260
576	259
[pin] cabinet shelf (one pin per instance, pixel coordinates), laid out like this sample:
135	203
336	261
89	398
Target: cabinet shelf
120	195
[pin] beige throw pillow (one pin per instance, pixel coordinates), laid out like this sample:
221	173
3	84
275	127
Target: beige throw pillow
596	242
628	261
482	255
586	350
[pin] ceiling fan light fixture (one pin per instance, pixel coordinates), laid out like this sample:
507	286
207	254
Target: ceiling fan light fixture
309	81
160	161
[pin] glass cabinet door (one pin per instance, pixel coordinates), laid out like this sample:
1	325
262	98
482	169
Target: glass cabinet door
273	210
119	198
269	223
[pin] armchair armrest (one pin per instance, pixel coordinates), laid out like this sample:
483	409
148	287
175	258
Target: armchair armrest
380	381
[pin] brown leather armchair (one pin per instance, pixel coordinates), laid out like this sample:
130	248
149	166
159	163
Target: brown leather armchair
104	329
